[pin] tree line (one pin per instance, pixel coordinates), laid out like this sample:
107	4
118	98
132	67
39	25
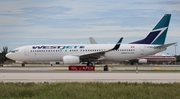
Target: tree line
3	53
178	58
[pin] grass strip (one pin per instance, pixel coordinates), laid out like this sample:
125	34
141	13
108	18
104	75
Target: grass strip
91	90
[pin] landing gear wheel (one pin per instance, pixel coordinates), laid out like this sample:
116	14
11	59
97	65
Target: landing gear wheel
132	63
22	64
89	64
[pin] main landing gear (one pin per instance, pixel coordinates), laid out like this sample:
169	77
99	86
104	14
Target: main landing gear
90	64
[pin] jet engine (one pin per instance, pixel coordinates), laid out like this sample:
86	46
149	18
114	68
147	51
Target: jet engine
71	60
142	61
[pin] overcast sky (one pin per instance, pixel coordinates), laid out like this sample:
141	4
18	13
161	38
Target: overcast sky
27	22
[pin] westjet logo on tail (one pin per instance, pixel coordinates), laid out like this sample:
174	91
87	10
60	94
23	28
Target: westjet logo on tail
160	38
158	34
57	47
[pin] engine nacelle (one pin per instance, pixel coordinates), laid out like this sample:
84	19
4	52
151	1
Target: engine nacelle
142	61
71	60
19	62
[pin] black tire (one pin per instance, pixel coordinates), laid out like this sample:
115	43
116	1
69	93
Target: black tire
132	63
22	64
89	64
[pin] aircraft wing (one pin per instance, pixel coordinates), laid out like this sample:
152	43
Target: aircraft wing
165	45
97	55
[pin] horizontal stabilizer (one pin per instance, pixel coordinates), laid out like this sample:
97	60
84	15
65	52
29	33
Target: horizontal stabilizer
165	45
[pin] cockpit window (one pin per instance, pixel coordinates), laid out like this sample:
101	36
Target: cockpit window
14	51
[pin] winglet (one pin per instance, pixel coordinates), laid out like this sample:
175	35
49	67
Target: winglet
117	44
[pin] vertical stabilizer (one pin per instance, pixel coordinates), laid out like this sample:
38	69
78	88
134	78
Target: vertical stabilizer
158	33
92	41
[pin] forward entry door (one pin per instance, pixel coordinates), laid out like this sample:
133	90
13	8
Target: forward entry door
26	51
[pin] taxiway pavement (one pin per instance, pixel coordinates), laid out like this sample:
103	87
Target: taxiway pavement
57	74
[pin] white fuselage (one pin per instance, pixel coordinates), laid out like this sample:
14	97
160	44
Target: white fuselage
56	52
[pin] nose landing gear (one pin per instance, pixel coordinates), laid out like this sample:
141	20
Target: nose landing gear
23	64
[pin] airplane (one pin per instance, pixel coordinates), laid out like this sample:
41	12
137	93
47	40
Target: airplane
77	53
154	37
158	58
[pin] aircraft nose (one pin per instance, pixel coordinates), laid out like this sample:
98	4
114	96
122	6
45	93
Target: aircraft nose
9	55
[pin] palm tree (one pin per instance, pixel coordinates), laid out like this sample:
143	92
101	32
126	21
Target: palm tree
3	54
